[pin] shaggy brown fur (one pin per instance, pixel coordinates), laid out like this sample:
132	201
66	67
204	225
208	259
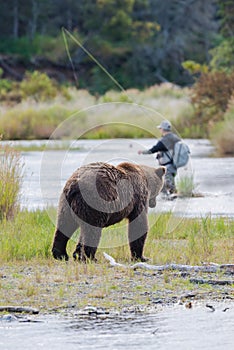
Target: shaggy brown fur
98	195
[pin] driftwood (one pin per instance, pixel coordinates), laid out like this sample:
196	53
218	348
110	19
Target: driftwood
213	282
19	309
228	268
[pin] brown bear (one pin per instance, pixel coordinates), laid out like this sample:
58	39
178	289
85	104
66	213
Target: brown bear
98	195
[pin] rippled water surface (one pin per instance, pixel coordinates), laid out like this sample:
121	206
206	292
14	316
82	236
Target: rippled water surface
46	173
172	328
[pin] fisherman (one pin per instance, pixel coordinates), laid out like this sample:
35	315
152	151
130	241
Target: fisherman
164	149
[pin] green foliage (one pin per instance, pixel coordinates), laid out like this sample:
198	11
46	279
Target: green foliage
10	181
23	46
194	67
223	56
35	85
145	30
118	18
139	42
38	86
5	85
5	89
225	10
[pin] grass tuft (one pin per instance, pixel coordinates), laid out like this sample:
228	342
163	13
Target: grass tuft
11	173
185	185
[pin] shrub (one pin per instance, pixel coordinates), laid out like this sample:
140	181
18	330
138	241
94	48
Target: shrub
222	133
223	56
39	86
6	87
11	170
210	97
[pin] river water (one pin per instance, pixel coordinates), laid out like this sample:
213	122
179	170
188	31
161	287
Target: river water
46	173
171	328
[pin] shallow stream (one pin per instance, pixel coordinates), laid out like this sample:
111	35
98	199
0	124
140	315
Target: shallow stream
171	328
46	173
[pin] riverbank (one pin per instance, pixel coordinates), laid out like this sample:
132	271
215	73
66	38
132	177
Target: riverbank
30	277
98	289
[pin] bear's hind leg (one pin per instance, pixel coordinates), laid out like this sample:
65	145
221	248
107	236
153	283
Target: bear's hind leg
88	242
66	225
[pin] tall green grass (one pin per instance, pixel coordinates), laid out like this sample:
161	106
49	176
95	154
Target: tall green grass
28	236
192	241
11	173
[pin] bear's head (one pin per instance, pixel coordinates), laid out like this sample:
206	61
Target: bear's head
155	178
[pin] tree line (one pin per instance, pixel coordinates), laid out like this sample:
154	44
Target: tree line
139	42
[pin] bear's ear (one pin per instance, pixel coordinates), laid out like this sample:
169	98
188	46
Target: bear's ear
161	171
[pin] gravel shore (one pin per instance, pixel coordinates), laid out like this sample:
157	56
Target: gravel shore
53	287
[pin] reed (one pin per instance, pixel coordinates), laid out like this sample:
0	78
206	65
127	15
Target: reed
185	185
11	173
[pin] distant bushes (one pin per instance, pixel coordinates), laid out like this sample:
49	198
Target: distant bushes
11	174
115	130
32	123
222	133
38	86
211	96
37	106
212	99
35	85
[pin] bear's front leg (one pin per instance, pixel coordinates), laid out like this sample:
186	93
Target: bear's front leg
137	233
